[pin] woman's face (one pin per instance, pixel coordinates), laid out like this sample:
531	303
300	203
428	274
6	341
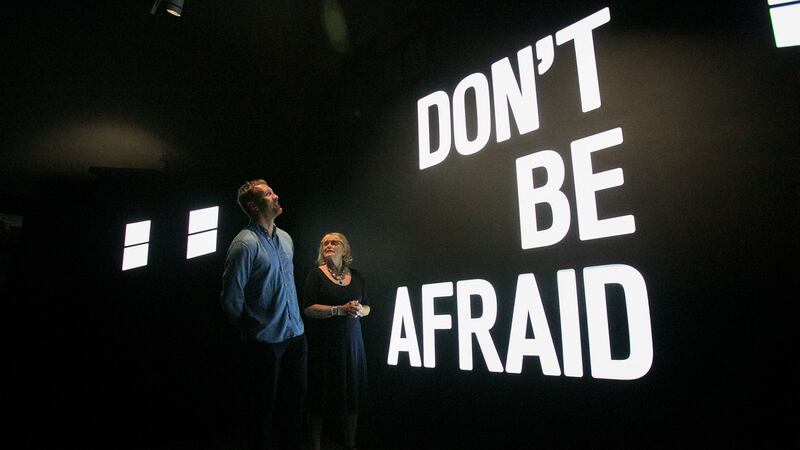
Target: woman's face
332	247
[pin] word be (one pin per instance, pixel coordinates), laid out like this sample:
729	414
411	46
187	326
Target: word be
586	184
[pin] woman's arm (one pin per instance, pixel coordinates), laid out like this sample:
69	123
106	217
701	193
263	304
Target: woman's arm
310	295
317	311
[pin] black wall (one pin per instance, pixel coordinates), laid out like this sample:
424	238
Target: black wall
708	109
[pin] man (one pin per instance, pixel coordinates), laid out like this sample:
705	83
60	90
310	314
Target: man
259	297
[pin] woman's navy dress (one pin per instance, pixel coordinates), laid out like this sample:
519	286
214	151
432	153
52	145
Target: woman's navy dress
337	367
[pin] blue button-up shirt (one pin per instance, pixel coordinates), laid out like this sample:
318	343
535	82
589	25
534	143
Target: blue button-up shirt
258	290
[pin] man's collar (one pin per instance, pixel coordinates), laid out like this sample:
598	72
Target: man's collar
260	228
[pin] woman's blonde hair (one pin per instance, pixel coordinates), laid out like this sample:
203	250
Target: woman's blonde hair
347	258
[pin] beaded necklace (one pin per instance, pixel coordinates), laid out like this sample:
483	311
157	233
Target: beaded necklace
338	274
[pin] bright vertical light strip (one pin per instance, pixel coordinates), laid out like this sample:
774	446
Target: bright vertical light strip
202	232
137	237
785	24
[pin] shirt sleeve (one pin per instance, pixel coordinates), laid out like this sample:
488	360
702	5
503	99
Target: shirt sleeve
238	263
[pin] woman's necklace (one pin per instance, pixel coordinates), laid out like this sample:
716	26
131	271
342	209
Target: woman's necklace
338	274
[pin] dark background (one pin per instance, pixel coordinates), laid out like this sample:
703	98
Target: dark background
173	114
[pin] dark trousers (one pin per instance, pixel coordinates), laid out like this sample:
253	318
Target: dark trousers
279	380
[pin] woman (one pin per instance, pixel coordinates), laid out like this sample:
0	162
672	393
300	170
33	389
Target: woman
337	372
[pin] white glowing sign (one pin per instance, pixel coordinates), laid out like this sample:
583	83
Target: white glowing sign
507	92
587	182
528	308
504	93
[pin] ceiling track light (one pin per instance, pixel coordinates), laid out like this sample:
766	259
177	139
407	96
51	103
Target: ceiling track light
174	7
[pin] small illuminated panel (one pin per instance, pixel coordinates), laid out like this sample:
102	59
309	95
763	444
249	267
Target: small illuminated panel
137	238
785	22
202	232
203	219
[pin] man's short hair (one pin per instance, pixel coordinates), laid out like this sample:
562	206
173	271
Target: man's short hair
246	195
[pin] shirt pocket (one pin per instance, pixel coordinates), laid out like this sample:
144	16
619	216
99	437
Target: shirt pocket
286	263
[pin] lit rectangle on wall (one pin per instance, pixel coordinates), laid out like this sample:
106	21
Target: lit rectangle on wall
786	24
203	219
201	244
135	256
137	233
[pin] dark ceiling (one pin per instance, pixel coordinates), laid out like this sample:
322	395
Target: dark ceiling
107	84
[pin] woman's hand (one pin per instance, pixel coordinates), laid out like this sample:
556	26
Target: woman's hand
352	308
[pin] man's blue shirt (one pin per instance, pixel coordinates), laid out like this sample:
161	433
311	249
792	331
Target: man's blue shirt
258	290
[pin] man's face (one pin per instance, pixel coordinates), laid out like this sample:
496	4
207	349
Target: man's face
267	201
